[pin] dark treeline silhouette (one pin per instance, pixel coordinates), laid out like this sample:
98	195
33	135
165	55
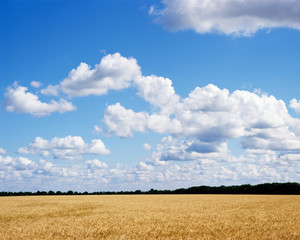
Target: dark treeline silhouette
266	188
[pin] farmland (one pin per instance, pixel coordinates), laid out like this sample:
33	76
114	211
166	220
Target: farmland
150	217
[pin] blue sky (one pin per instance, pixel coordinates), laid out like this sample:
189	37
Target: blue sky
148	94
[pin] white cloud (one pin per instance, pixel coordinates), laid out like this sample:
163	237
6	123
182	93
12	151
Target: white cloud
69	147
97	147
214	115
68	142
97	129
263	167
175	149
236	17
2	151
22	163
202	123
213	164
20	168
211	113
51	90
114	72
157	90
144	167
36	84
199	127
96	164
122	121
48	169
19	163
147	146
17	99
161	123
294	104
208	99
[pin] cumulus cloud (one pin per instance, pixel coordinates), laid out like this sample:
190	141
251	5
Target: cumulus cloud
121	121
96	164
211	114
36	84
231	17
220	168
253	167
294	104
97	147
2	151
69	147
97	129
213	171
114	72
144	167
51	90
147	146
22	170
176	149
158	91
201	124
19	163
48	169
19	100
198	128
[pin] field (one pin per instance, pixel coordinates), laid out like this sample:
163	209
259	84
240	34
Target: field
150	217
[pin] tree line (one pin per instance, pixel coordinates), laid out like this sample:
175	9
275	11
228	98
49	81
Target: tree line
289	188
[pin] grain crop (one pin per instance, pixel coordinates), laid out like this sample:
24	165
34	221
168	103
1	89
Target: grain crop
150	217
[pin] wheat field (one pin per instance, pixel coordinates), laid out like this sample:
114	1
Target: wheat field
150	217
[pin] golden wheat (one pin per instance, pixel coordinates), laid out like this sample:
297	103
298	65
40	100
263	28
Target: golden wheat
150	217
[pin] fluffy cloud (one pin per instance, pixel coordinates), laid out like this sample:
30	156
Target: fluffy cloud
206	171
51	90
2	151
158	91
202	123
199	128
209	114
114	72
96	164
20	168
17	99
36	84
147	146
48	169
255	166
70	147
294	104
121	121
144	167
20	163
175	149
237	17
